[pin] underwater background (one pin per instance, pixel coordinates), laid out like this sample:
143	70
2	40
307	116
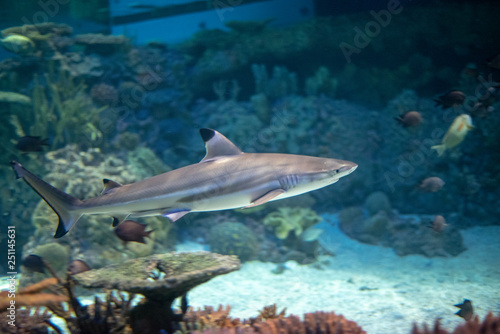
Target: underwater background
93	90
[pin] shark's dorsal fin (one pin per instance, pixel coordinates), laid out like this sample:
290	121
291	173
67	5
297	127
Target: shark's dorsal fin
109	185
217	145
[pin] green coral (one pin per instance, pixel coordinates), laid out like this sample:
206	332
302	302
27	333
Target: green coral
11	97
321	83
287	219
280	83
55	254
232	238
144	163
62	107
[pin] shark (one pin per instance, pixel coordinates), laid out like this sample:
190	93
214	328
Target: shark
226	178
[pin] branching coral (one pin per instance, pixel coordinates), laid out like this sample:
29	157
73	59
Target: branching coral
32	295
63	108
281	83
490	325
208	321
321	83
287	220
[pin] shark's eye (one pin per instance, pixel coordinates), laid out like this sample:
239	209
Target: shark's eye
337	171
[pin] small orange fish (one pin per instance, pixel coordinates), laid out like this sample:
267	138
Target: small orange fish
438	224
132	231
77	266
409	119
431	184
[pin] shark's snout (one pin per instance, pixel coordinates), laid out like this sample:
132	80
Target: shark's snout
348	168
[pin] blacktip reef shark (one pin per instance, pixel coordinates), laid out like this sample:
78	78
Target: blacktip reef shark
226	178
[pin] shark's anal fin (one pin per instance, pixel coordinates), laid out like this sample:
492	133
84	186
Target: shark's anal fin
266	197
175	214
109	185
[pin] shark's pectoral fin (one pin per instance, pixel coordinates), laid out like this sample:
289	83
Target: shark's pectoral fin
109	185
266	198
175	214
117	219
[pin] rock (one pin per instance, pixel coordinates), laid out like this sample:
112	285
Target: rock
161	278
378	201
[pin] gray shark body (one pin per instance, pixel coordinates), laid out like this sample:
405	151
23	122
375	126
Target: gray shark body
226	178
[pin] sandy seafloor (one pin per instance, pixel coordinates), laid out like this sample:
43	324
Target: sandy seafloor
382	292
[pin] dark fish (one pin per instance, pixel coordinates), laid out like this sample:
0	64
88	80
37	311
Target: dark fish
466	310
130	230
409	119
431	184
438	224
451	99
31	144
494	62
77	266
34	263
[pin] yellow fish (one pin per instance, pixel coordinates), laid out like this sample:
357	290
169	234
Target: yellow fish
455	134
18	44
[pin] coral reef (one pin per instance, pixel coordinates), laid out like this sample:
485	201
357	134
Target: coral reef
232	238
490	325
33	295
280	83
406	234
321	83
287	219
161	279
104	95
64	110
376	202
269	322
102	44
11	97
55	254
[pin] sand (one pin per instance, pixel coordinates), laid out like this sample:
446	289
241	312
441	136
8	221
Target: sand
382	292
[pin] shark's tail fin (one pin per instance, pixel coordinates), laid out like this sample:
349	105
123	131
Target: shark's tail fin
64	205
439	148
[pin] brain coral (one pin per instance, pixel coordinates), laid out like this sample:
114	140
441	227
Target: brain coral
232	238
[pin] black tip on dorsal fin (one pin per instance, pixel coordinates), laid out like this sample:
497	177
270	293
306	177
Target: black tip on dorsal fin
217	145
109	185
207	134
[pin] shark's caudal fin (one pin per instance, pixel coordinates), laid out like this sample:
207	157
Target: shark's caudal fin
64	205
